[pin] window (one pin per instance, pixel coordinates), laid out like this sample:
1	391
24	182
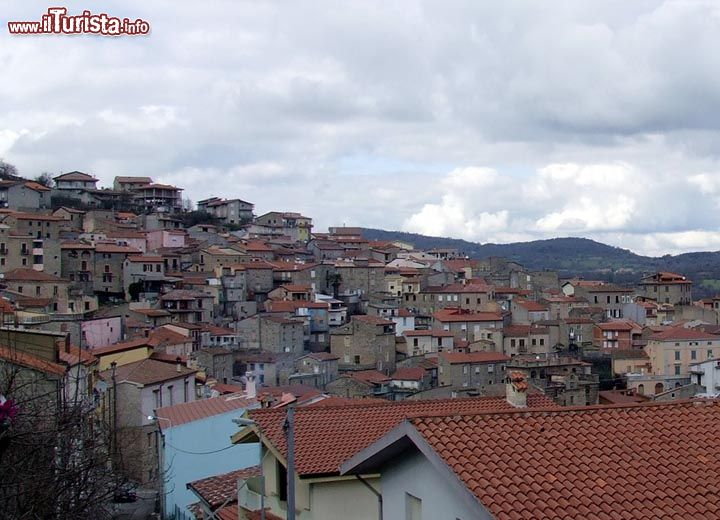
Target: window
20	289
170	394
282	477
158	398
491	369
677	355
677	370
709	353
477	370
512	343
465	369
37	290
357	360
413	507
693	354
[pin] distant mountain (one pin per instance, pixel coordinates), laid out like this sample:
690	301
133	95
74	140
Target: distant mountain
578	257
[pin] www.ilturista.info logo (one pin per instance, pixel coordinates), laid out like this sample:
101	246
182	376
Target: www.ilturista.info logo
57	21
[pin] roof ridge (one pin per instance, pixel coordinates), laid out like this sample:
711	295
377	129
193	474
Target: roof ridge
571	409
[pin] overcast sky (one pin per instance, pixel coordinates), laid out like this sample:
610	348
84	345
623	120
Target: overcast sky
483	120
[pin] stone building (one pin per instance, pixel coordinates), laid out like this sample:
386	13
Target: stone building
478	370
666	287
568	381
366	343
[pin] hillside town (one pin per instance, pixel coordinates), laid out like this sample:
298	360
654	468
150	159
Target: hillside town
240	364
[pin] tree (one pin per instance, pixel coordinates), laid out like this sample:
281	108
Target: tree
55	450
8	171
45	179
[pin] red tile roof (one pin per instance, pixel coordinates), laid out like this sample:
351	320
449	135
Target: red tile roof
323	356
370	376
18	357
569	464
75	176
531	306
473	357
409	374
219	489
31	275
121	347
196	410
435	333
148	372
326	436
75	356
458	315
624	325
681	333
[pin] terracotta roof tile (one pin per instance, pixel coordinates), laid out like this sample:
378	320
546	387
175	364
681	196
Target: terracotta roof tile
409	374
473	357
349	429
31	275
218	489
568	463
18	357
148	372
682	333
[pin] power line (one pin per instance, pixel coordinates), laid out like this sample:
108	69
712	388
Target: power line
199	452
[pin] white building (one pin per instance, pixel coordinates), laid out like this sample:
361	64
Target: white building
707	374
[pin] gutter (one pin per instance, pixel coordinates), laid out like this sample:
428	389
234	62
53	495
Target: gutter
376	493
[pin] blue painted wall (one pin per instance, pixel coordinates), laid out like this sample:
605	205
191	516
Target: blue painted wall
202	436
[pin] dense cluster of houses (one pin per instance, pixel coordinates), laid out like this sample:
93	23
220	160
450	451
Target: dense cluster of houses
416	377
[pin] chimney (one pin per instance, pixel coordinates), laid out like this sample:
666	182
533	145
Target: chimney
250	387
178	363
516	390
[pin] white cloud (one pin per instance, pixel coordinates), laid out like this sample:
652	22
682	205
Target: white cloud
586	118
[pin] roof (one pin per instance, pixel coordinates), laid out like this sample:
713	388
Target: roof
121	347
219	489
148	372
75	356
409	374
618	325
196	410
145	259
568	463
372	320
681	333
370	376
113	248
473	357
75	176
435	333
531	306
165	336
349	429
664	277
31	275
36	186
458	315
134	180
184	294
18	357
523	330
322	356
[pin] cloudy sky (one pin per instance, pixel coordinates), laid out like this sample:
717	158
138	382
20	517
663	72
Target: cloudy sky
488	121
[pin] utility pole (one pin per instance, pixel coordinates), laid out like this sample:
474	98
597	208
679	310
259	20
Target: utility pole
289	428
113	366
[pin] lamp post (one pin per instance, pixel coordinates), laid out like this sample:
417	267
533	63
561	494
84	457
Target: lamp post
160	453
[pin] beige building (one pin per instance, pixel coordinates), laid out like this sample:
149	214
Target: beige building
672	351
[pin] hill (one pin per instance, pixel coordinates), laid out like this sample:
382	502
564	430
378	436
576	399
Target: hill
573	256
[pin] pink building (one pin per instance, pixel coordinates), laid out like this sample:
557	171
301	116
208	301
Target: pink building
101	332
165	238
